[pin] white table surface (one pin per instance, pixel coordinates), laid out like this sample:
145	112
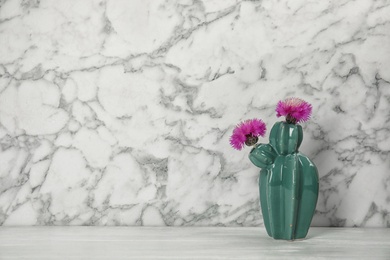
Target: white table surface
189	243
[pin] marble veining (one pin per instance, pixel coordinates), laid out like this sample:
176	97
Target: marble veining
119	112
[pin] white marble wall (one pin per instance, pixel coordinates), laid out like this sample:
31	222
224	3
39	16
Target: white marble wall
118	112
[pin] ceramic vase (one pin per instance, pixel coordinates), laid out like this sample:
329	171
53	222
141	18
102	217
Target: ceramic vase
288	183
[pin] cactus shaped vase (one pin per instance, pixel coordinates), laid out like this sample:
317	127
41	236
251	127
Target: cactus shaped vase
288	183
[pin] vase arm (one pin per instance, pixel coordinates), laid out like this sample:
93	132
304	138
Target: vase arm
263	155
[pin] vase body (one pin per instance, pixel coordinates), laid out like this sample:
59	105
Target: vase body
288	183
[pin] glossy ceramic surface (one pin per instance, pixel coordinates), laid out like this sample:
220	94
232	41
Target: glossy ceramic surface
288	183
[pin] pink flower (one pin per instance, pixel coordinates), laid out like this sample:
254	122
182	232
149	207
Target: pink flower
247	132
295	110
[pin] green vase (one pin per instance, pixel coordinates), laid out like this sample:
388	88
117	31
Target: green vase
288	183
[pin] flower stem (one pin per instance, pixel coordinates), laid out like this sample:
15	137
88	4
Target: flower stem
251	140
290	119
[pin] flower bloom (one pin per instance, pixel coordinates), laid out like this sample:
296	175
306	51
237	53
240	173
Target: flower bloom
247	132
294	109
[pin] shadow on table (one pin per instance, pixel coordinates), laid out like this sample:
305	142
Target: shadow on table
318	232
